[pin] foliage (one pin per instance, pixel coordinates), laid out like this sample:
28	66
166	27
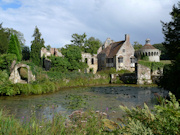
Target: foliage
137	46
165	118
92	45
36	46
60	64
6	61
73	55
4	40
171	77
171	32
13	48
4	76
152	65
25	53
18	47
145	58
79	40
19	35
164	53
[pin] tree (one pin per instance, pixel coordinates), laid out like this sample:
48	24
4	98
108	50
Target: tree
18	47
4	40
25	53
36	46
19	35
73	54
13	49
79	40
171	30
137	46
92	45
171	33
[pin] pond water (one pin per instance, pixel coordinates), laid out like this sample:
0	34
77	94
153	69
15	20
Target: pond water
106	99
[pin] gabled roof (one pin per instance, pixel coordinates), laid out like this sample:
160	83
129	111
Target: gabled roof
112	49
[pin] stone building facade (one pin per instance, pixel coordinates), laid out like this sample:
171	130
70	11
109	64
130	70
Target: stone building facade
150	51
52	51
119	55
92	62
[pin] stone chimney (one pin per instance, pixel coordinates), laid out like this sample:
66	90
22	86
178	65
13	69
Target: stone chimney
127	38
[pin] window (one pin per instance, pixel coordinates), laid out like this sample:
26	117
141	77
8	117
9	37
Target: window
109	60
132	60
92	61
120	60
124	50
86	60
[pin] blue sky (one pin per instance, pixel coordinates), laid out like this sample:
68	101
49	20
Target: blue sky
59	19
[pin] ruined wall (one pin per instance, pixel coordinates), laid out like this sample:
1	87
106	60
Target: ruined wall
91	61
15	76
143	75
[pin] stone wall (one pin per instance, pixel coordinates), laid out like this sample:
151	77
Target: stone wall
15	76
143	75
91	61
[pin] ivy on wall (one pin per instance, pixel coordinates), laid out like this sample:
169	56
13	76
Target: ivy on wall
152	65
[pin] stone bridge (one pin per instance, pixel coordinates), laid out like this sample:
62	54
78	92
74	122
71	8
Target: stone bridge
15	75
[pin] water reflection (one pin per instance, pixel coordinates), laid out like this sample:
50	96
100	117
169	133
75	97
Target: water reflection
105	99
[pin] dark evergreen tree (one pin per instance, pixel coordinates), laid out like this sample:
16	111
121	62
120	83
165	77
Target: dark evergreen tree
36	46
18	47
25	53
13	49
171	30
4	40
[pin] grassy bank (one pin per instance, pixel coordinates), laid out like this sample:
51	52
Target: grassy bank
163	119
51	82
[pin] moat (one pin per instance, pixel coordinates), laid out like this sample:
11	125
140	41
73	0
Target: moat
106	99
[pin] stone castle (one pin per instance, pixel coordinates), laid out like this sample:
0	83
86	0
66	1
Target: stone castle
118	55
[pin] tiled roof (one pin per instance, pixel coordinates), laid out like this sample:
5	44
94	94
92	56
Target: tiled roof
112	49
148	46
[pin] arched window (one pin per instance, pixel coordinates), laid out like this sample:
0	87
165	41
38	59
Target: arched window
154	53
92	61
146	54
151	53
157	53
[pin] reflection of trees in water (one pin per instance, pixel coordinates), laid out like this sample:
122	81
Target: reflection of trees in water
100	99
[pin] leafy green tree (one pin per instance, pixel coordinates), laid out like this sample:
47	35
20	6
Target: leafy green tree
137	46
19	35
59	64
36	46
171	30
92	45
25	53
79	40
13	48
48	47
4	40
73	55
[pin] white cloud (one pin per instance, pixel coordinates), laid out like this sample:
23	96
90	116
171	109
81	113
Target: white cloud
58	20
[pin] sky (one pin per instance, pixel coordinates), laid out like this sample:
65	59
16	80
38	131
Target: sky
57	20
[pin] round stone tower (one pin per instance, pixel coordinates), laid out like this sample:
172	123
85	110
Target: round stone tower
150	51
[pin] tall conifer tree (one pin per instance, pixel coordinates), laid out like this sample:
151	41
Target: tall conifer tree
18	47
36	46
13	49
